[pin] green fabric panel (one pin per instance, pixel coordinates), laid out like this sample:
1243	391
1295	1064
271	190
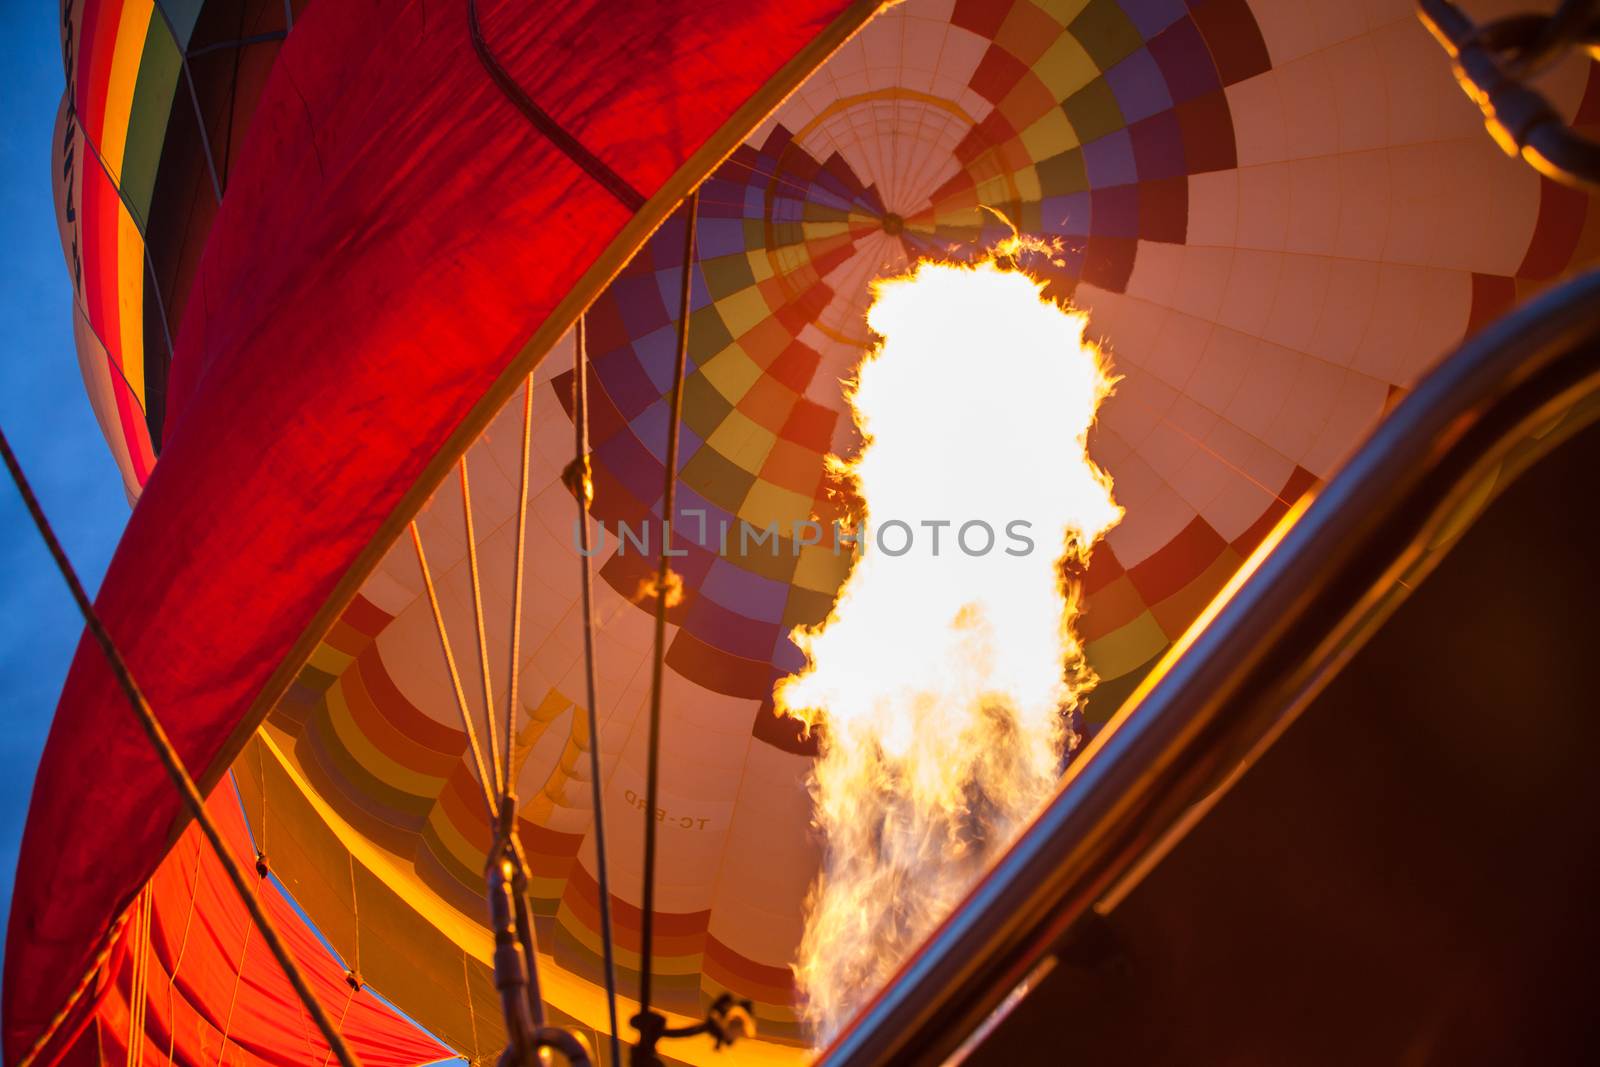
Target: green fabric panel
810	211
1105	33
785	234
183	14
147	125
1093	111
721	481
1105	698
1063	174
760	559
708	334
727	275
1031	218
703	411
807	607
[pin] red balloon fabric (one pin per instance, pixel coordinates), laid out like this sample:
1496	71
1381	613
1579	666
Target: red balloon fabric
397	247
210	990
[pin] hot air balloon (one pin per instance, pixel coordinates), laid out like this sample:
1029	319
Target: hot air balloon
1276	215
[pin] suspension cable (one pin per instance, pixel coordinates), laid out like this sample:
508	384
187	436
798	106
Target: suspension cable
507	875
177	962
500	771
583	490
467	723
168	755
233	999
139	979
514	669
663	580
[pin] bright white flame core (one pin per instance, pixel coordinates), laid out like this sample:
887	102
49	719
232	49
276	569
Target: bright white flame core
941	678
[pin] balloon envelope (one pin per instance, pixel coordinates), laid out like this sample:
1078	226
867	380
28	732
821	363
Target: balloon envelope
1277	214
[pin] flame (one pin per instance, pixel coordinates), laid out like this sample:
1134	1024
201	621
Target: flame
942	679
649	588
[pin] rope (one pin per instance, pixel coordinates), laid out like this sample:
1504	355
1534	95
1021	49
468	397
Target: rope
455	675
514	669
183	946
233	1000
261	776
500	771
132	1032
546	124
663	573
472	1011
139	981
342	1016
584	491
355	920
187	790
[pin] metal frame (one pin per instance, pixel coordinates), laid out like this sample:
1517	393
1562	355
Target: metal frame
1307	601
1520	119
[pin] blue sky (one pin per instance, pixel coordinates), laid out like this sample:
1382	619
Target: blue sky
46	415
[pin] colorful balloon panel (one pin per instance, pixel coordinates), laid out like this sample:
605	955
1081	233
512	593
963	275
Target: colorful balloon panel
1278	214
1248	200
158	95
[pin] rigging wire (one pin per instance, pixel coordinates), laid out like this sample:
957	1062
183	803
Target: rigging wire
139	981
506	874
168	755
663	578
233	1000
501	771
514	668
583	490
177	962
467	723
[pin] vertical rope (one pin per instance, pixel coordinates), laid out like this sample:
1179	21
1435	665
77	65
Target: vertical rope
261	776
131	1034
514	668
139	978
342	1015
171	761
352	977
472	1011
495	766
355	916
144	970
183	946
238	975
584	491
663	575
455	675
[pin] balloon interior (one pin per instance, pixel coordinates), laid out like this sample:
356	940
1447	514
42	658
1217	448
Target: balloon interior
1013	327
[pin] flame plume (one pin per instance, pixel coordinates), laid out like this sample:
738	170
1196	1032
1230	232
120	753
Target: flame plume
942	678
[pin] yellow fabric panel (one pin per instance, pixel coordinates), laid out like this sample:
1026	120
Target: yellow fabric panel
130	300
414	948
129	50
